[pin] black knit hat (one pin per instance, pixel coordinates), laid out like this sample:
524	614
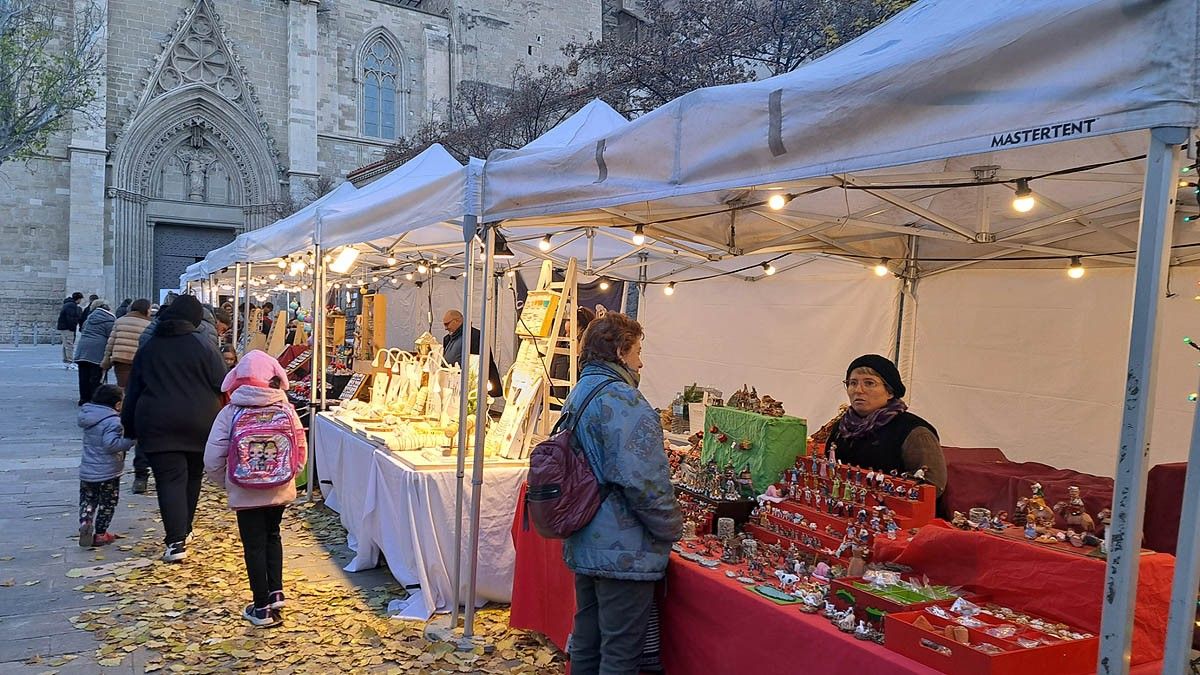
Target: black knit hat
189	308
886	369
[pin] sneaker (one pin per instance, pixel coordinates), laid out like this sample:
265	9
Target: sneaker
104	539
263	617
140	485
87	533
175	552
277	600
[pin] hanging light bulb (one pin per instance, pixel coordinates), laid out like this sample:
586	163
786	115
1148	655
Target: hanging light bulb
337	286
639	235
282	264
421	268
1075	270
1023	199
881	268
391	262
604	283
437	268
375	279
778	200
670	289
272	277
768	269
396	281
544	244
409	276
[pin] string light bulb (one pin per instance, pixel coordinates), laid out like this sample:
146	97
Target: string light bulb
375	279
1023	200
639	236
1075	270
669	289
512	272
768	269
604	283
437	268
778	201
391	262
544	244
422	268
272	277
282	264
409	276
881	268
396	281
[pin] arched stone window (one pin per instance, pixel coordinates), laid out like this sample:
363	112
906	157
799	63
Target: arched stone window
380	74
220	185
174	180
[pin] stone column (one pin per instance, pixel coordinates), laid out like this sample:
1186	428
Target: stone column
87	153
303	76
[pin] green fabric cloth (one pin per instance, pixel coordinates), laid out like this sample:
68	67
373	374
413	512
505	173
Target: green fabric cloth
775	442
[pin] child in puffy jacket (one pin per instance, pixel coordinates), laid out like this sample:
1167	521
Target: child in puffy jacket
101	464
256	389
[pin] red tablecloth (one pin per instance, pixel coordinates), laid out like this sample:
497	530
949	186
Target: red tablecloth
997	485
543	593
1062	586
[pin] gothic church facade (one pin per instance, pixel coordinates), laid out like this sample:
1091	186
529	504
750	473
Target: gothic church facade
217	116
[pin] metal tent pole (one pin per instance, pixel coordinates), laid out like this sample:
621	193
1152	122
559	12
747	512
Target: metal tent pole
237	282
312	390
1181	624
1129	489
481	411
246	322
469	225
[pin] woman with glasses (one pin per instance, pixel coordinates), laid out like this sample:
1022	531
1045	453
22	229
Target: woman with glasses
877	431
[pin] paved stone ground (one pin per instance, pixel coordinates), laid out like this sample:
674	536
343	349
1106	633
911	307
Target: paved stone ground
39	459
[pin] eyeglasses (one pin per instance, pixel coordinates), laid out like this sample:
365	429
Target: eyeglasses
865	384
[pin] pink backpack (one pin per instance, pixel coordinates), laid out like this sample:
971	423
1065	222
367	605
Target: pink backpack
264	450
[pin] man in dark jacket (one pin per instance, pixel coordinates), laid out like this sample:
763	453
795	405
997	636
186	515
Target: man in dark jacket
174	394
123	309
452	349
70	318
87	312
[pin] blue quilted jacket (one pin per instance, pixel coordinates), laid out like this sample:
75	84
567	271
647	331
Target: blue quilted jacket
631	535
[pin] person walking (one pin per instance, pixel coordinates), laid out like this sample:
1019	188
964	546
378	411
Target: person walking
174	395
258	414
70	318
119	354
123	308
89	351
101	464
619	556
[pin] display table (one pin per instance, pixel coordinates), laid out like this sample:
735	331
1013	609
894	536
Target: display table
408	515
712	625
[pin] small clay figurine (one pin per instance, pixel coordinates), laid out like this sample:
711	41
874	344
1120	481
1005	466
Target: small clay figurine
846	623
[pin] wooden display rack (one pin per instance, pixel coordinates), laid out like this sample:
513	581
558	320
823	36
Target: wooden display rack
370	329
335	334
540	331
277	338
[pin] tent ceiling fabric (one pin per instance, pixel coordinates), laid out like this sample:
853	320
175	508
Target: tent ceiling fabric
1007	85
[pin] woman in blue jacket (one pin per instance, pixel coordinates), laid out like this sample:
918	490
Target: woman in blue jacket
623	551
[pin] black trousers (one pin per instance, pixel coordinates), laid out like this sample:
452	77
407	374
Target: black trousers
610	625
90	377
141	465
177	478
262	550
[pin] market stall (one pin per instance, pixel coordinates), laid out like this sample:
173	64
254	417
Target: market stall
943	139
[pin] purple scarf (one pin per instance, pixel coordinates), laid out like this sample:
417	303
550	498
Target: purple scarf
854	426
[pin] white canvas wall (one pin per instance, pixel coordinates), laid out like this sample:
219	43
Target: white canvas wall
409	315
1025	360
790	335
1034	363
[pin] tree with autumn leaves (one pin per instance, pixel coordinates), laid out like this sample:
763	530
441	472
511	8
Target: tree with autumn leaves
671	48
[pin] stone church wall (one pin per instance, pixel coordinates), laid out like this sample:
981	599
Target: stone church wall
489	38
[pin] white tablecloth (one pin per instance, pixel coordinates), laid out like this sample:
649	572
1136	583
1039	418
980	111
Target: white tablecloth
409	516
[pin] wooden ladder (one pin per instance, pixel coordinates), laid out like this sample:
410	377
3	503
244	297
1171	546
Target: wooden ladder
546	348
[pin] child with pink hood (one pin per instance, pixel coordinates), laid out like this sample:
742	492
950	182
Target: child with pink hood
258	381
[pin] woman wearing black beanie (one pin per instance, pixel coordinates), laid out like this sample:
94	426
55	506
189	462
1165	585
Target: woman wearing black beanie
878	432
173	396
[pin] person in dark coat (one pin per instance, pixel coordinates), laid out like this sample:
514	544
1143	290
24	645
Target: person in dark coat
174	394
70	318
123	308
90	301
452	350
89	351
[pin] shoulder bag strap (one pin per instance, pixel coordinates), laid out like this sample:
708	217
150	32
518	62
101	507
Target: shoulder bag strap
572	419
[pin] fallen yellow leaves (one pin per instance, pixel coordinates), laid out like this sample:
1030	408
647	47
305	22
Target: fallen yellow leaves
187	617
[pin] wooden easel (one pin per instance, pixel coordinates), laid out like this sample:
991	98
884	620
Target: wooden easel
544	345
